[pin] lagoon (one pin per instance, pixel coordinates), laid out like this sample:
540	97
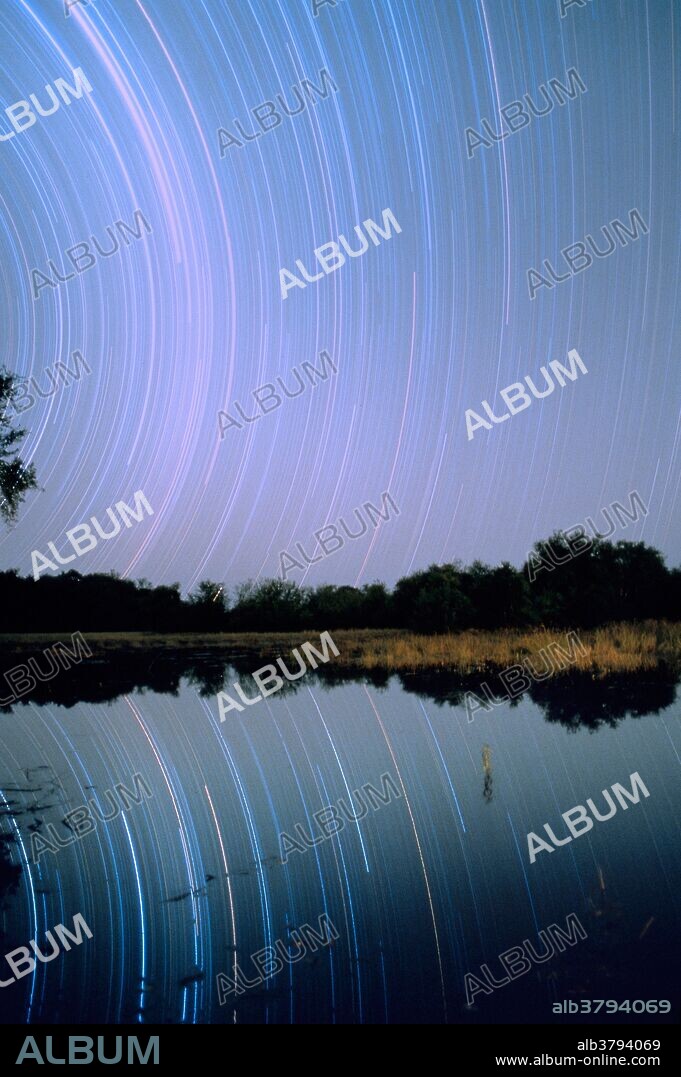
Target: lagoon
430	886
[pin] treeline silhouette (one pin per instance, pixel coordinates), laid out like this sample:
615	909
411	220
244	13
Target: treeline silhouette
622	581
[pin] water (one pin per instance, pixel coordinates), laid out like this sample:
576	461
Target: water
421	891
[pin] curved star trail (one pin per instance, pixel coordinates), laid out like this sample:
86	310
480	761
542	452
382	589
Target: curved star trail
190	320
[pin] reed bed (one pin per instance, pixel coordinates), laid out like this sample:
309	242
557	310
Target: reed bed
616	648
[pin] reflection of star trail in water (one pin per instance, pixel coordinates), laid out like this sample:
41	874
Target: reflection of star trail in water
141	913
416	836
188	885
340	767
229	885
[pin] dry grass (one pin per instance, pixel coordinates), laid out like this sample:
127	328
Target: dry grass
615	648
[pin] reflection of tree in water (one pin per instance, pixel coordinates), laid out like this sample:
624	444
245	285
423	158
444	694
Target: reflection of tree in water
487	768
574	700
103	680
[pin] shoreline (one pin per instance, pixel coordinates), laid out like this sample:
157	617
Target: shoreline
611	649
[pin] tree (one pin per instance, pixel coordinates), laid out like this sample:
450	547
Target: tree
208	604
499	597
432	600
376	606
15	478
270	605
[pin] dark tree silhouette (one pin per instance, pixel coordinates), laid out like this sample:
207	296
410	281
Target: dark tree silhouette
207	605
434	600
15	478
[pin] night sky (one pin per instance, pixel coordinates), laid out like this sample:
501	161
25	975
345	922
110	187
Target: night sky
189	319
